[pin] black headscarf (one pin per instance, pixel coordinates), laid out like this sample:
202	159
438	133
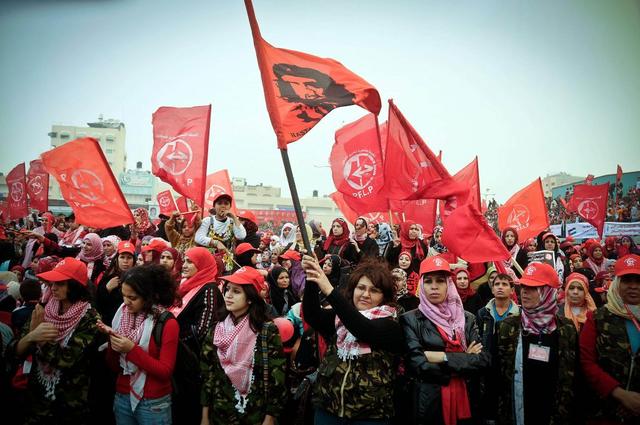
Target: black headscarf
281	299
334	276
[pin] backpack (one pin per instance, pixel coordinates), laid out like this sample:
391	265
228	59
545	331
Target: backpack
187	366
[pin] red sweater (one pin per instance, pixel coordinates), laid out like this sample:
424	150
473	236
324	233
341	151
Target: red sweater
601	382
157	363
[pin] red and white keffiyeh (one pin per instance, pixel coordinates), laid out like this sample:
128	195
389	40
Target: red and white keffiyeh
541	319
348	346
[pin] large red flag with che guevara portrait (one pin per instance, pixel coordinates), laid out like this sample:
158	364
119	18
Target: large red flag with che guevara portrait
300	89
87	183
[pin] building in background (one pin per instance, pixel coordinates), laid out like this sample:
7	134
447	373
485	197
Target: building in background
629	180
554	180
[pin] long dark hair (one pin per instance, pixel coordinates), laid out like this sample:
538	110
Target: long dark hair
153	283
257	312
378	272
76	291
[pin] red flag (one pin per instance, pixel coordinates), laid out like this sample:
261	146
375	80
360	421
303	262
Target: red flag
351	215
469	175
484	207
422	211
167	204
17	184
38	186
412	171
218	183
182	204
468	235
347	212
526	211
180	148
590	202
87	183
4	212
300	89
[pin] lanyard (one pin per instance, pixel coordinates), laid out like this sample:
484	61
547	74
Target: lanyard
633	318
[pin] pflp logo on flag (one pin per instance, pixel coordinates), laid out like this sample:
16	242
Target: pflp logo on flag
86	189
17	191
519	217
588	209
175	157
36	185
360	169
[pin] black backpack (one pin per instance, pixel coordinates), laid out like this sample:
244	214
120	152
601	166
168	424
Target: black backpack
187	368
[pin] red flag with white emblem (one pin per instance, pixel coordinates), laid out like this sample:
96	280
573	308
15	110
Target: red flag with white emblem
526	211
180	148
590	202
38	186
17	185
167	204
218	183
87	183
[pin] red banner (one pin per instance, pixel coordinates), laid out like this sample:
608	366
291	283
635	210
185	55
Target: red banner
38	186
276	216
374	217
217	183
526	211
469	175
590	202
412	170
421	211
180	148
87	183
17	184
167	204
300	89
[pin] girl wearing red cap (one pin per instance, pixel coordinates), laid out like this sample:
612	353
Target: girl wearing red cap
537	355
243	366
443	349
60	338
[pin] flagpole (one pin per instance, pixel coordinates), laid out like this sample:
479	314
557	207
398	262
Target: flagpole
296	200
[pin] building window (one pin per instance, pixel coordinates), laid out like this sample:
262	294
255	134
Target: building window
110	139
64	135
110	150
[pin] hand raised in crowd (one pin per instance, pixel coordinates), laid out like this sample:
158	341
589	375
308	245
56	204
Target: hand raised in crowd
37	316
474	348
315	274
44	332
113	283
121	344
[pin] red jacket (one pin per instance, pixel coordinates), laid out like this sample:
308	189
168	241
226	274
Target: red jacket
602	383
157	363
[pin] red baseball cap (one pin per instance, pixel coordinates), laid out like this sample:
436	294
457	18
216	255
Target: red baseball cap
629	264
286	331
126	246
435	264
222	195
291	255
247	215
67	268
155	245
246	247
539	274
246	276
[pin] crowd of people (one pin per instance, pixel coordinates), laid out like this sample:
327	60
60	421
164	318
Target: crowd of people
211	320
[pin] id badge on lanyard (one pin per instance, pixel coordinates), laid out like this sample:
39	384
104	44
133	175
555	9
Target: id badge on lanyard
539	352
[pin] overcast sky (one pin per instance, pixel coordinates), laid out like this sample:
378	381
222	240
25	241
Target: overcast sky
532	88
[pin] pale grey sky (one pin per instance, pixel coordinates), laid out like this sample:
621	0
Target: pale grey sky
532	88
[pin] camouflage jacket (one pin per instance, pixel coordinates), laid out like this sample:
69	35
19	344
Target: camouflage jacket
508	333
70	400
361	388
268	393
614	355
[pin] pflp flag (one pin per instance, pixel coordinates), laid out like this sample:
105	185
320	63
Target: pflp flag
422	211
469	175
167	204
87	183
351	215
17	184
38	186
412	171
590	202
526	211
300	89
217	183
180	148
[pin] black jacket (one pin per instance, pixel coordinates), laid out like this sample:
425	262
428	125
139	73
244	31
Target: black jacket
421	335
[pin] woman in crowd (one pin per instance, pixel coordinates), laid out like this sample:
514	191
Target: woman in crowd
470	299
577	301
60	338
365	246
435	244
171	260
142	226
331	266
246	255
338	243
537	355
404	299
108	292
287	235
250	223
356	377
595	258
609	347
549	242
197	313
444	351
242	362
143	361
510	241
409	241
383	235
110	249
153	250
627	246
280	292
410	267
181	234
92	255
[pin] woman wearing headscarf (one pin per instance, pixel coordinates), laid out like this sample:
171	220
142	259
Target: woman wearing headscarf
197	313
287	235
609	347
338	243
595	258
435	245
384	238
331	266
60	337
470	299
537	355
510	240
142	225
280	292
182	233
408	301
409	241
298	244
108	295
406	263
365	246
549	242
627	246
171	260
92	255
110	249
577	301
443	349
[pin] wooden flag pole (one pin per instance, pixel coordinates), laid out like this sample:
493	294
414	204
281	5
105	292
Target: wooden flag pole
296	201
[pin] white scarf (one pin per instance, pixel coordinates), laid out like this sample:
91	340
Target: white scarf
138	377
